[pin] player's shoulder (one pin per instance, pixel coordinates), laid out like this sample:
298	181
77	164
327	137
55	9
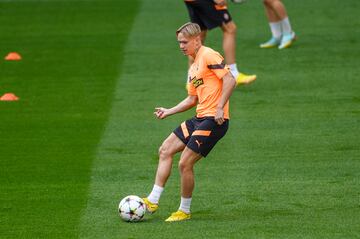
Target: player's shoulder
209	52
210	55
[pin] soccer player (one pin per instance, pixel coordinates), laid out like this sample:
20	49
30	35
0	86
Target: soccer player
210	87
282	34
209	14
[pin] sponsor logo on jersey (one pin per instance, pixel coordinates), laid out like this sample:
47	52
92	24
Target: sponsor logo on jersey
197	82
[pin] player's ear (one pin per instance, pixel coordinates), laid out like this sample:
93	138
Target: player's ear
198	39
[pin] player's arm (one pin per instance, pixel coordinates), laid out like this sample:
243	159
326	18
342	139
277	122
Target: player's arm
187	103
229	84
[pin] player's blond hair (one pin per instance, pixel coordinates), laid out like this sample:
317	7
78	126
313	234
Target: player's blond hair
189	30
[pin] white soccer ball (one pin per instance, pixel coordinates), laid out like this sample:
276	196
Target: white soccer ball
132	208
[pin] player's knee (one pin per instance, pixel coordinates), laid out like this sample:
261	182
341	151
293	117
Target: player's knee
181	166
165	151
184	166
230	28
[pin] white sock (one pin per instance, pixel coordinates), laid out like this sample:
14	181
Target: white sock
234	71
155	194
185	205
285	25
275	29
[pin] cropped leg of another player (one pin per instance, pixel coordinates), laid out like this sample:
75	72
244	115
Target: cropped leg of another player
186	167
167	150
229	46
282	34
209	16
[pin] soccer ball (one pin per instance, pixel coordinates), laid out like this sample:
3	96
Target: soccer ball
132	208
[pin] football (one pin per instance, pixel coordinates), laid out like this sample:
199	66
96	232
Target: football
132	208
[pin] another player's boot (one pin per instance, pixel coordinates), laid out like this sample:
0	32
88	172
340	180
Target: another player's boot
178	216
150	207
273	42
287	40
245	79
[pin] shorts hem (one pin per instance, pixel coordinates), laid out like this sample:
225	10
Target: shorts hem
196	151
180	137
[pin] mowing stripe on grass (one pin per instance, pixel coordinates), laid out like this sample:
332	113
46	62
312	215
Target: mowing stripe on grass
71	50
122	165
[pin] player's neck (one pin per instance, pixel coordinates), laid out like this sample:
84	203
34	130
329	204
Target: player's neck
196	51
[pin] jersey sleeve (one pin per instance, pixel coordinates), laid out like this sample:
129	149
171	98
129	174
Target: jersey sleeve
215	63
190	89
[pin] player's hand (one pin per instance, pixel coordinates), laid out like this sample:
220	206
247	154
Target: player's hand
220	2
219	117
161	113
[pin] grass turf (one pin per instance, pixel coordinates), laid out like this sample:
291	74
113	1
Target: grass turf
71	52
288	167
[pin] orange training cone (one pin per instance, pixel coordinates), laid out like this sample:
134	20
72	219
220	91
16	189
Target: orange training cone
13	56
9	97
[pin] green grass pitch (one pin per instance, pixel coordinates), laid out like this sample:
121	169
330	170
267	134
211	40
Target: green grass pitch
83	134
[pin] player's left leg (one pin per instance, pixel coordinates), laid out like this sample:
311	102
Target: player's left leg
229	41
205	136
229	45
186	167
213	16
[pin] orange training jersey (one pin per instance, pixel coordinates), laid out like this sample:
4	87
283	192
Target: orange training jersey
205	81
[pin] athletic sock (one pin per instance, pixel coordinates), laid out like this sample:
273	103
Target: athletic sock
185	205
234	71
155	194
275	28
286	27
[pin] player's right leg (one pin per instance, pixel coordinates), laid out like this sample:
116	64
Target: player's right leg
167	150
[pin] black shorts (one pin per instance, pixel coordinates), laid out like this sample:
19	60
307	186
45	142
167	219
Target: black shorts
201	134
204	13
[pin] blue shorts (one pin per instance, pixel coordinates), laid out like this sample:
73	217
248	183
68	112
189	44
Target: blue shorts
201	134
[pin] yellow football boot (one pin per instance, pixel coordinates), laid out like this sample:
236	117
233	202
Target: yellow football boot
243	79
150	207
178	216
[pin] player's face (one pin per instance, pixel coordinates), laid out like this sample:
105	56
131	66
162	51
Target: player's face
188	46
